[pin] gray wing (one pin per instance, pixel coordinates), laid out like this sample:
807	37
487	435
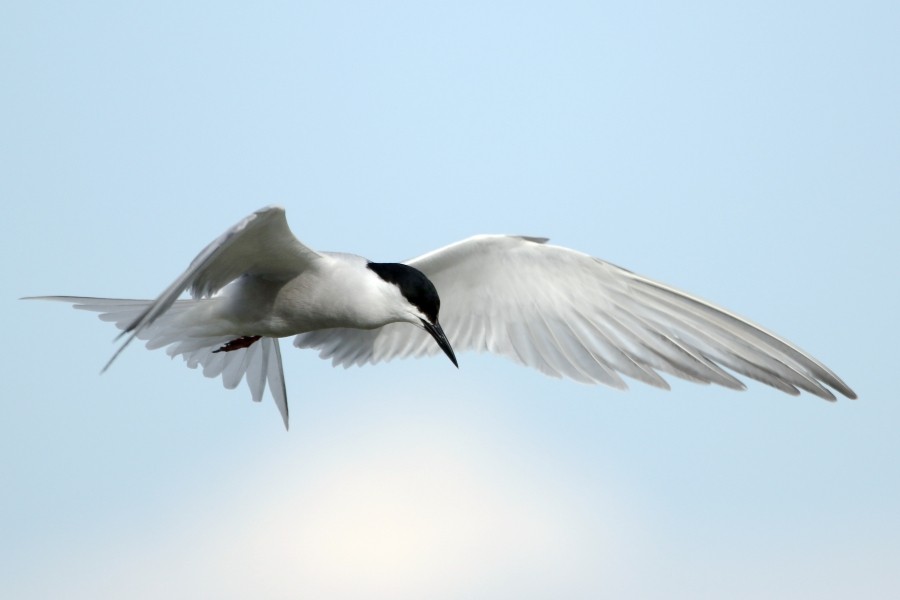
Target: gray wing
568	314
260	244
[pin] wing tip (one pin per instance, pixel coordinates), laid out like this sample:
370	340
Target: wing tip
844	389
271	208
533	239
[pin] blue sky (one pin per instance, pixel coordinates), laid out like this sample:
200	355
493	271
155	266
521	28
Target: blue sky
746	153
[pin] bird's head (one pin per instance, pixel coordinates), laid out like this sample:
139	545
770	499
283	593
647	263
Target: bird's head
421	299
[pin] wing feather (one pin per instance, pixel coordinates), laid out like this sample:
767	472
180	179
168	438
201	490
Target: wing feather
568	314
261	244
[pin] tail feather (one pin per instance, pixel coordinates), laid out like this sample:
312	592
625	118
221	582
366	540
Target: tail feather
258	364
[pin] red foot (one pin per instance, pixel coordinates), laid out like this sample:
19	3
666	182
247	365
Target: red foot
241	342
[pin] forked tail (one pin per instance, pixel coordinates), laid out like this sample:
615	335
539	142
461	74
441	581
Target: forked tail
256	360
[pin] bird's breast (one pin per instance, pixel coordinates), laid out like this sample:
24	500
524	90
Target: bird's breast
343	296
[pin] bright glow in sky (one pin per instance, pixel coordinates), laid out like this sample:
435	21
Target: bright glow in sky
747	154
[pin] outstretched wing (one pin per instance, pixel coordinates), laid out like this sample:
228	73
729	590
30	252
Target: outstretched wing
260	244
569	314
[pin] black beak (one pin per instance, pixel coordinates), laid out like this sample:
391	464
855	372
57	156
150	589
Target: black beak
438	334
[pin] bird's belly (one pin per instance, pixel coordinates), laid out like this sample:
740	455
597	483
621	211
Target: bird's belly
293	315
300	305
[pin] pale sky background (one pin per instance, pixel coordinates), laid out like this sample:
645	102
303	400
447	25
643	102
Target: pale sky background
746	152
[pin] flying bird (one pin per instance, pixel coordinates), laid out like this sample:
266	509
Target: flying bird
558	310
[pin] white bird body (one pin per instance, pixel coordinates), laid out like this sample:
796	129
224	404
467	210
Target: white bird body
548	307
320	296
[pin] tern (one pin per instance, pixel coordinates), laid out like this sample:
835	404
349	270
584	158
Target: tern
558	310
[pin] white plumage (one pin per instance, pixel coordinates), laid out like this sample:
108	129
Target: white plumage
548	307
